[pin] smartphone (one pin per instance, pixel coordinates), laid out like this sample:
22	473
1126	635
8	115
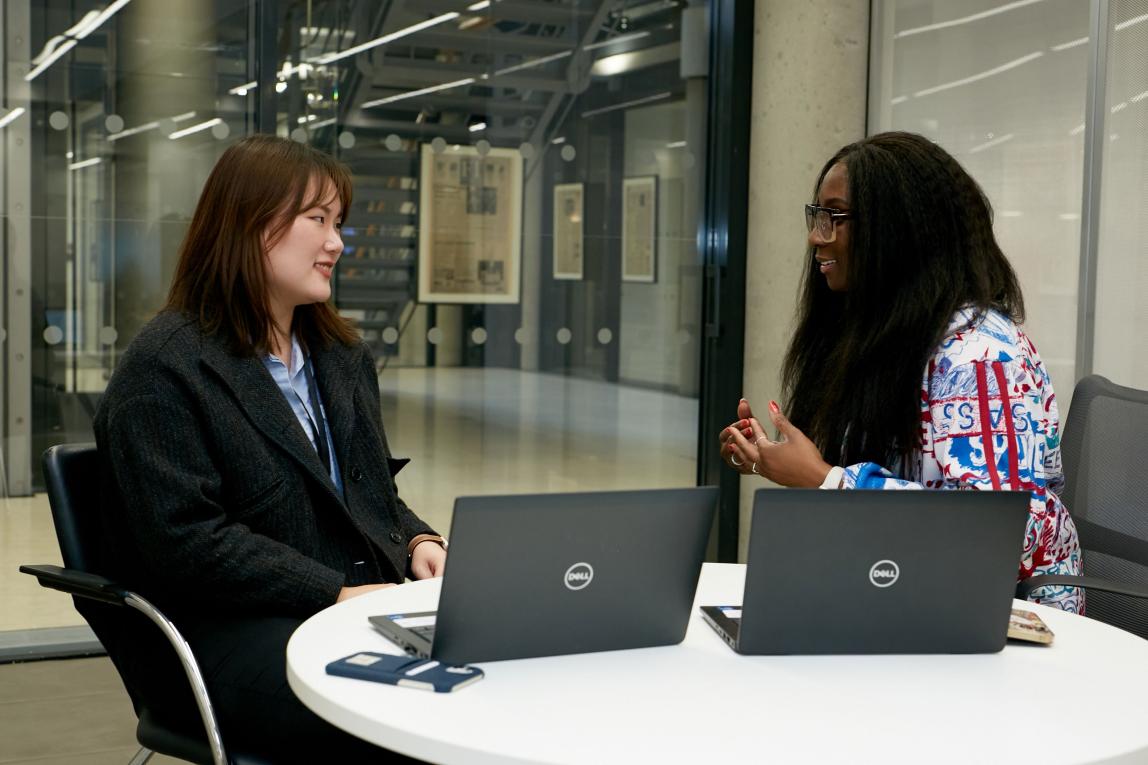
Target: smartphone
404	670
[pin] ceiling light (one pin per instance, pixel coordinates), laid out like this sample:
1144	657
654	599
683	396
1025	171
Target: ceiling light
1070	44
1131	22
195	128
420	92
133	131
964	19
85	163
991	143
53	49
973	78
619	39
11	116
329	57
104	15
616	64
61	44
533	63
625	104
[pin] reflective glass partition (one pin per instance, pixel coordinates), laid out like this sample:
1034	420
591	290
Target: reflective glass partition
521	254
1001	85
1045	103
1121	351
113	120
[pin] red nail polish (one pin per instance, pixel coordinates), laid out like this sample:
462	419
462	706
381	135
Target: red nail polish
773	407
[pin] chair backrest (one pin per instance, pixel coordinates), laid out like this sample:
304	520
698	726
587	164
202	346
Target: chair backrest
1104	470
146	663
72	475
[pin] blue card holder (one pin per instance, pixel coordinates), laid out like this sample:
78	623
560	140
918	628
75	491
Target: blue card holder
408	671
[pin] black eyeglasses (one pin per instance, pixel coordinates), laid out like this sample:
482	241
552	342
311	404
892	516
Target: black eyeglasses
824	219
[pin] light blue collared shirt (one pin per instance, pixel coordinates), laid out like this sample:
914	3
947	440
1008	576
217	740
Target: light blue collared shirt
297	391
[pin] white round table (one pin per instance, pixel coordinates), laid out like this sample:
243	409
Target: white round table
1083	699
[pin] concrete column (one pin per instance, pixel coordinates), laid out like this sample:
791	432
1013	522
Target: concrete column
809	99
157	180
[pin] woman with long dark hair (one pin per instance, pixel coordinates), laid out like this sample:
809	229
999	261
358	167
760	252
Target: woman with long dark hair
248	481
908	368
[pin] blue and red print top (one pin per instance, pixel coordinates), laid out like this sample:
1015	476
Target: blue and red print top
989	421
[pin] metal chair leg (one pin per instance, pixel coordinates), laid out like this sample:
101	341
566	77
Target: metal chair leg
142	756
190	668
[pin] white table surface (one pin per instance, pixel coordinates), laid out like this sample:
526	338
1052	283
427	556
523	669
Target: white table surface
1083	699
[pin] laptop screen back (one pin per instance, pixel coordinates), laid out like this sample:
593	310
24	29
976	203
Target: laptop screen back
549	574
881	571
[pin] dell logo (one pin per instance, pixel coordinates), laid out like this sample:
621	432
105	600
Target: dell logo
578	576
884	573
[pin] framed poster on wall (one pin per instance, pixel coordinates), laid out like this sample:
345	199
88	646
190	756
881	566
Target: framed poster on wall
639	228
568	249
470	225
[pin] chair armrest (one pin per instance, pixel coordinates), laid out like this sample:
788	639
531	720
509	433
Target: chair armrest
1024	588
78	583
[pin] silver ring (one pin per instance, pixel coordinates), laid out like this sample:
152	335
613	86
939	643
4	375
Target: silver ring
754	468
758	441
734	461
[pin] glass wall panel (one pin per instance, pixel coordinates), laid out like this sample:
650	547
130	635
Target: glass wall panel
521	252
1001	85
113	114
1121	352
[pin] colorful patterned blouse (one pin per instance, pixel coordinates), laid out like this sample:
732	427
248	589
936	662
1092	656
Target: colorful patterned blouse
985	366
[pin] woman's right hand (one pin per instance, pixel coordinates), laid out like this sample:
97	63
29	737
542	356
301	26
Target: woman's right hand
362	589
745	414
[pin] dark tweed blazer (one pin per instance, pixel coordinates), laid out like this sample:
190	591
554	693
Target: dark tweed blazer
214	498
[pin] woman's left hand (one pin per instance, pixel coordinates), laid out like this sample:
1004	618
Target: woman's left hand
794	460
428	560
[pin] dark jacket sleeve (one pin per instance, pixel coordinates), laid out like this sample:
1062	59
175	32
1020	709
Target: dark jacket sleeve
169	489
410	524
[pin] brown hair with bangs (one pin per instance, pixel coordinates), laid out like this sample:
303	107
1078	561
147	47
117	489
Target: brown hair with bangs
249	201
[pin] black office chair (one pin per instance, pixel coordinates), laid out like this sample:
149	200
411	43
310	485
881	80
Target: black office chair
73	480
1104	472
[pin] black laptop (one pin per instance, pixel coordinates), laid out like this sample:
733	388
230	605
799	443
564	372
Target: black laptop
549	574
877	572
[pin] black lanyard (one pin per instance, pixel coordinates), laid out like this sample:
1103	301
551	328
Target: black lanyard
318	422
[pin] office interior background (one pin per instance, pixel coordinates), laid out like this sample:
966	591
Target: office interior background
114	112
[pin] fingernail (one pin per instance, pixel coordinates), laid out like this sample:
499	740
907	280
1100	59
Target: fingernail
773	407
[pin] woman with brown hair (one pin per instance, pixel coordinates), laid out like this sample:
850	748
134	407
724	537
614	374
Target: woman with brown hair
248	481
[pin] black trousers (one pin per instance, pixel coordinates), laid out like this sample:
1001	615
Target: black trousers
244	664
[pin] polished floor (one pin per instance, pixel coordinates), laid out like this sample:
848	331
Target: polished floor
68	712
467	431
